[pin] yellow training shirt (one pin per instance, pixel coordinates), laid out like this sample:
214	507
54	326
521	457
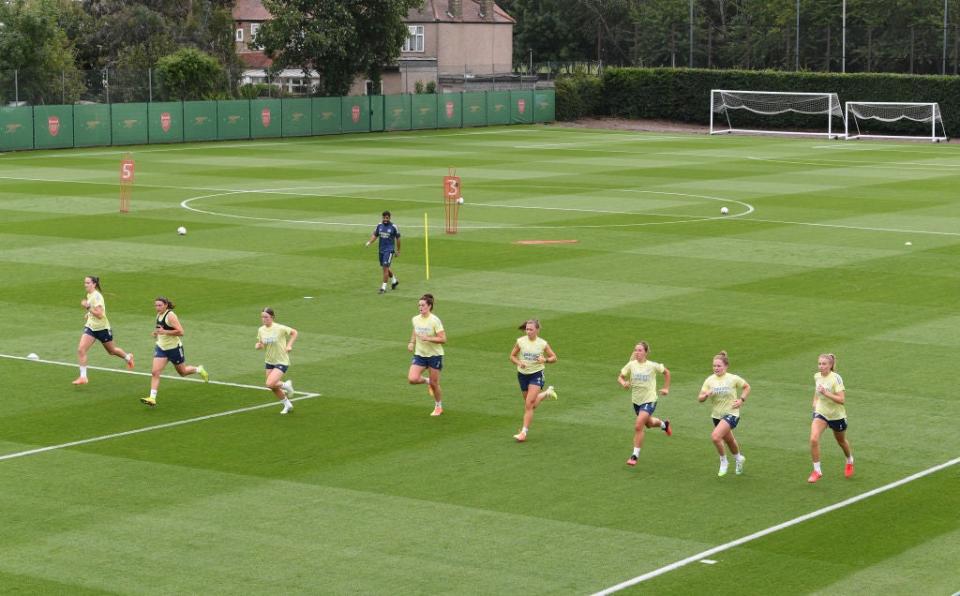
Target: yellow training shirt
529	352
274	339
643	379
430	326
826	407
94	298
724	391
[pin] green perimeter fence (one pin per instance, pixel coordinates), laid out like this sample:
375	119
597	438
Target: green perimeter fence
92	125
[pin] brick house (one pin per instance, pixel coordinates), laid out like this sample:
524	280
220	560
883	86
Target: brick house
451	43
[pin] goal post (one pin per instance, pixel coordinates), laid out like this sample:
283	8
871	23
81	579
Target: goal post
894	120
800	113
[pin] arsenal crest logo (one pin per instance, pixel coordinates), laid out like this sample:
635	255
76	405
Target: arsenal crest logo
355	113
165	121
521	105
53	125
265	117
449	109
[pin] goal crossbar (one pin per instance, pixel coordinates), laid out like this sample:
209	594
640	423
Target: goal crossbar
774	103
894	111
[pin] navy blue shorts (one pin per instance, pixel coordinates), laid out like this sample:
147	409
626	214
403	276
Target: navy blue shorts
175	356
526	380
838	425
731	420
648	407
103	335
386	257
283	367
434	362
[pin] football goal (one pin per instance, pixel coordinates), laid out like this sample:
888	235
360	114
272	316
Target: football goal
776	112
894	120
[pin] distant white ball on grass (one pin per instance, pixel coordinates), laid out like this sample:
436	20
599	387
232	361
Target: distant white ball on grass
32	356
724	211
182	231
460	200
908	243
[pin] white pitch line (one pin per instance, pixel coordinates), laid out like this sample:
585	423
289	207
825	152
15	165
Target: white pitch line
145	374
751	537
146	429
861	228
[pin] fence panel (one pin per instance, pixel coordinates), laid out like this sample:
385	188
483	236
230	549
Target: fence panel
355	114
544	105
52	127
129	123
91	125
326	115
423	111
397	110
165	122
475	108
233	119
16	128
295	118
200	121
377	113
266	116
498	107
521	106
450	110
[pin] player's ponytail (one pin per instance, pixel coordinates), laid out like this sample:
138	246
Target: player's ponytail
170	305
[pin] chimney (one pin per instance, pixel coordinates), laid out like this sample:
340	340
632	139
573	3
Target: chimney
486	10
455	9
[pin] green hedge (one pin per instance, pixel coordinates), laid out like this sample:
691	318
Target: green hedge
683	94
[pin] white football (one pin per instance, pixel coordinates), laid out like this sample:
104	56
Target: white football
182	231
724	211
32	356
460	200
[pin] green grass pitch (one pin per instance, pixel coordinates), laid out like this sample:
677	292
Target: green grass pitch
360	490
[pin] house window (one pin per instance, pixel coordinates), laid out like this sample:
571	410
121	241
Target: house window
254	27
240	34
414	42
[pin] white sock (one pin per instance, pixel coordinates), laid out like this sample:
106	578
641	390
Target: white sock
723	460
636	452
524	430
663	424
286	403
83	372
153	393
383	286
816	467
128	357
739	457
850	460
393	279
438	404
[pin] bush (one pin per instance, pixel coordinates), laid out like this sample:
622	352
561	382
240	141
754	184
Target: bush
579	96
418	87
190	74
431	87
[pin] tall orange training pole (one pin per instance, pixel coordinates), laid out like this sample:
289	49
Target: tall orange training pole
451	201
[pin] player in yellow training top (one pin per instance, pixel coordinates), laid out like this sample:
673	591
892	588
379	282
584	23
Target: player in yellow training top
727	393
640	374
531	353
168	332
426	343
276	341
96	327
829	397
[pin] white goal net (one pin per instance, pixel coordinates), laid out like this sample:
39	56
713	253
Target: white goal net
895	120
775	112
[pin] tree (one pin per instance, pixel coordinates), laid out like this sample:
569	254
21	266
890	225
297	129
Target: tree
340	39
33	44
190	74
